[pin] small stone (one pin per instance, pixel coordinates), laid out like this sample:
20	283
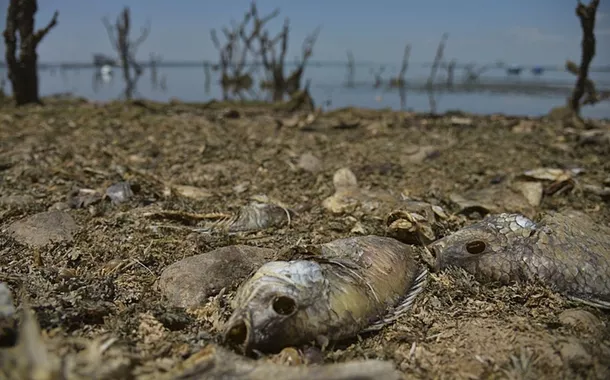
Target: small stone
581	319
43	228
309	163
189	282
344	178
8	319
197	193
574	353
461	121
59	206
119	192
16	200
7	309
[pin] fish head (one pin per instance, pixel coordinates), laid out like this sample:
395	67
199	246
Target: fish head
270	308
486	248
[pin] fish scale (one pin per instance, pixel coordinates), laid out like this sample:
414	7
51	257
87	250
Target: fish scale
565	250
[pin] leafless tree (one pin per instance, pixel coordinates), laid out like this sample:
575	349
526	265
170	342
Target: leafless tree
274	61
235	49
207	76
351	69
450	73
400	80
472	73
585	86
21	40
154	60
126	48
377	74
437	59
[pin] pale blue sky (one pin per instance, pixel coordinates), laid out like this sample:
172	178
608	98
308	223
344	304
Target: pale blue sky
515	31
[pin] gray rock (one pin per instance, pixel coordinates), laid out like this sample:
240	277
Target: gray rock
189	282
119	192
16	200
7	309
309	162
40	229
581	319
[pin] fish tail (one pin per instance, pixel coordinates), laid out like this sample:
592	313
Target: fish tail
404	305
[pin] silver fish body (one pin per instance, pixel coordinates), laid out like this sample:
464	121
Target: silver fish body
566	251
352	285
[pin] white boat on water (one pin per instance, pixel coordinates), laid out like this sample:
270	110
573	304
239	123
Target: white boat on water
106	73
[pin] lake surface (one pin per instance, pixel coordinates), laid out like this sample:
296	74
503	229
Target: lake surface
328	86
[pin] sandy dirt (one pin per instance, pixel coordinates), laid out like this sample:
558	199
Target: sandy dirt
99	277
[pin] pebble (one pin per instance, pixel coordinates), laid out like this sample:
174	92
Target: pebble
581	319
7	309
17	200
43	228
190	281
309	163
574	353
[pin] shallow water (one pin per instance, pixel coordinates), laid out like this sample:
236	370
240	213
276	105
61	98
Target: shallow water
327	87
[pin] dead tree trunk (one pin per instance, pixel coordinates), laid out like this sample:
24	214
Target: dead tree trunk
400	81
207	76
126	48
378	76
586	14
293	82
437	59
450	72
23	68
274	61
155	59
351	68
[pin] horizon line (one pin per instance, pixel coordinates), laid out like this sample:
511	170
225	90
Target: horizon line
203	62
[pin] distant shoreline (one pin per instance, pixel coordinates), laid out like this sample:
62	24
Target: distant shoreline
176	64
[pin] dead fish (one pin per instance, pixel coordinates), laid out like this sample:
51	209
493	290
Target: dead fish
566	251
352	285
253	217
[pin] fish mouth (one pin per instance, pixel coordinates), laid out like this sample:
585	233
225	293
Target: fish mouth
238	331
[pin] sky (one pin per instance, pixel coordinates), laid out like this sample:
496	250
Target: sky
527	32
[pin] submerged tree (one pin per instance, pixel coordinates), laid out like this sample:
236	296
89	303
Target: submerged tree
271	51
378	75
472	72
154	61
437	59
21	40
234	52
274	61
351	69
126	48
585	86
399	81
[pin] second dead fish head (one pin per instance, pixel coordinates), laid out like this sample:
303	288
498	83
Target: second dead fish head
274	304
487	248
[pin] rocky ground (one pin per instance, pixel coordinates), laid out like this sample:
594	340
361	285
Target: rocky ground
97	201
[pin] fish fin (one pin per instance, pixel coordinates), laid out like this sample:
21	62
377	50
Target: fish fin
405	304
597	303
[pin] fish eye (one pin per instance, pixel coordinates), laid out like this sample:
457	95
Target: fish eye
284	305
475	247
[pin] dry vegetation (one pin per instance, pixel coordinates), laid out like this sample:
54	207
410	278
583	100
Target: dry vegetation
101	284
